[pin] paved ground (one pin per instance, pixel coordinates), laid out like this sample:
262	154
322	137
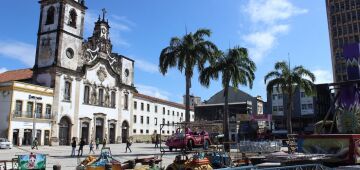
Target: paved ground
61	154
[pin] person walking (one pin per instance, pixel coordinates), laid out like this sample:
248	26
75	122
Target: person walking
91	145
128	144
73	145
104	143
157	140
35	144
81	147
97	143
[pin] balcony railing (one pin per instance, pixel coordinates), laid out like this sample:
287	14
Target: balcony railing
26	114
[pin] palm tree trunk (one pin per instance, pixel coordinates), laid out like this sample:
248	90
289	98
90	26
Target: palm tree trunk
226	119
187	98
289	115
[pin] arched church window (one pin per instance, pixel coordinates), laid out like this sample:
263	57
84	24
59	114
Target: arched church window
101	97
50	15
126	101
67	92
86	94
113	98
72	18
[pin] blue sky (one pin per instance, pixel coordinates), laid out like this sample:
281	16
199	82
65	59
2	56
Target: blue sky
271	29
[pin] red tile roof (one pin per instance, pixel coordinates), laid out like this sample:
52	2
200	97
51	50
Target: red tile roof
161	101
16	75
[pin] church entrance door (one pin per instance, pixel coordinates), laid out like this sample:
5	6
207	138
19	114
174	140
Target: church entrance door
112	133
85	132
99	128
64	131
124	131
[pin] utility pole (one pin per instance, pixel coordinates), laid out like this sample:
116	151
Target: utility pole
35	99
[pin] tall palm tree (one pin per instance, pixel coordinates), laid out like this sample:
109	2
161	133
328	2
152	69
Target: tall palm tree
287	80
185	53
236	68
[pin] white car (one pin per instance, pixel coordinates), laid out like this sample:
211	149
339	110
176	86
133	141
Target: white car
5	144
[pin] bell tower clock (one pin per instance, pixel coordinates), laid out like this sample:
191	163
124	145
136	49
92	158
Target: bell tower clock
60	35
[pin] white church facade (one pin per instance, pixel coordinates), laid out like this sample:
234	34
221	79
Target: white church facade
78	88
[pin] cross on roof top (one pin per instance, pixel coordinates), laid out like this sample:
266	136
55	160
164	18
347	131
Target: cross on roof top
104	12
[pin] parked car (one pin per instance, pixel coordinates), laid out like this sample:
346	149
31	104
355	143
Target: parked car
5	144
188	139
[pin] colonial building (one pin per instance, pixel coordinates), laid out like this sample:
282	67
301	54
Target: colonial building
76	89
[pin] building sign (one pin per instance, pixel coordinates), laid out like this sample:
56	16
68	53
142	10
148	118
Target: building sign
32	161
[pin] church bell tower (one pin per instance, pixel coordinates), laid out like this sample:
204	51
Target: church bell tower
60	38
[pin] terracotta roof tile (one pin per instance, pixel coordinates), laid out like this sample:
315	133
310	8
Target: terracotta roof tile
161	101
16	75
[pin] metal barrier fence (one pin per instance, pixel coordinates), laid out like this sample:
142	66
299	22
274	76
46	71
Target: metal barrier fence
300	167
295	167
256	147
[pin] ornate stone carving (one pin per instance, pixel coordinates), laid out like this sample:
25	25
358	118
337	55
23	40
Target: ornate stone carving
93	94
101	73
107	97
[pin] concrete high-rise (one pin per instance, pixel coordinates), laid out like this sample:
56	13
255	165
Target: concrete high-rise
344	25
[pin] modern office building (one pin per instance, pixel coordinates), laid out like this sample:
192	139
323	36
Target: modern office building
344	25
307	110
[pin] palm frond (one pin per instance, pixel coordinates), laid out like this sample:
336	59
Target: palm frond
271	75
199	34
278	83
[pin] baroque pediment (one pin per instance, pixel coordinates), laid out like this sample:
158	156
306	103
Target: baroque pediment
100	47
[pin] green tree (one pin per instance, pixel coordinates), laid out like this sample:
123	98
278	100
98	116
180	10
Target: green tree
236	68
286	80
186	53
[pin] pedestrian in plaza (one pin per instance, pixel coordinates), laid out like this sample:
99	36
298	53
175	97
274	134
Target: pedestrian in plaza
73	145
104	143
97	143
81	146
35	144
91	145
157	140
128	144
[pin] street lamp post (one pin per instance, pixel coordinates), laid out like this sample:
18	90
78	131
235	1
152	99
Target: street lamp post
35	99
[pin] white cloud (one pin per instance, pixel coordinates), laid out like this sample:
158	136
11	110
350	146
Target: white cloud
323	76
3	69
118	25
153	91
263	41
271	11
146	66
20	51
270	15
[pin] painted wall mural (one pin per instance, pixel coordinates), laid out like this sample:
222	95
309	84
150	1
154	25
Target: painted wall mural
348	110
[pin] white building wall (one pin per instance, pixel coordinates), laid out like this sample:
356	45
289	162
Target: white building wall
172	115
66	108
19	124
5	104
